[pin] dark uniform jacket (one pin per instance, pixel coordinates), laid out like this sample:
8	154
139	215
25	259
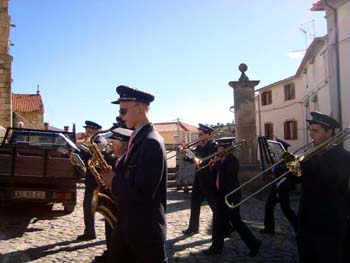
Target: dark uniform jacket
324	201
204	177
140	186
228	177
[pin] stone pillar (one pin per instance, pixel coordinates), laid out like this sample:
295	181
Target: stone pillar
5	67
245	125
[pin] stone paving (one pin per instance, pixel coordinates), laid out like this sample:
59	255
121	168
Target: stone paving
38	235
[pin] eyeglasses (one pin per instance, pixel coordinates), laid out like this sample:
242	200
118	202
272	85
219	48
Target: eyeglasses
124	111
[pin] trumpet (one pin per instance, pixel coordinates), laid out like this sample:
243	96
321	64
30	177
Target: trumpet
293	164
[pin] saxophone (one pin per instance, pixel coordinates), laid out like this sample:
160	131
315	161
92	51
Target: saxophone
97	165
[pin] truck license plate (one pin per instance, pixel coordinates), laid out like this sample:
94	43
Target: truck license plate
29	195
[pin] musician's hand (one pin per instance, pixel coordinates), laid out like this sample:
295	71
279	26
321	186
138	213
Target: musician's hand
106	180
270	176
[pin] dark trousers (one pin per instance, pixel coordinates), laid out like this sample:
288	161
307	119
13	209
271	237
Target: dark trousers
315	249
89	219
221	214
123	250
197	198
281	195
347	244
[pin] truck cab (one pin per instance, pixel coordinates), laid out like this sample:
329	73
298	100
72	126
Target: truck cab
35	167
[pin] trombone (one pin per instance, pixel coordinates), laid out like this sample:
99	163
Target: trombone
235	147
184	146
293	164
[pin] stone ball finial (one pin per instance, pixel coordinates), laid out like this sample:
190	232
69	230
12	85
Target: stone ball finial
243	67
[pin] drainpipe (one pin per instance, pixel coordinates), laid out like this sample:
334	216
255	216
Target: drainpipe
339	117
259	114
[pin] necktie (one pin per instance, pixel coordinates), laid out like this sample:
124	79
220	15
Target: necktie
133	135
116	162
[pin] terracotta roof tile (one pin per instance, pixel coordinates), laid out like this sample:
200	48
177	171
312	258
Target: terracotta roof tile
27	103
174	126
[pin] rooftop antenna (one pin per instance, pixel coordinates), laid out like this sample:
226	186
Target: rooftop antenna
313	27
37	89
304	31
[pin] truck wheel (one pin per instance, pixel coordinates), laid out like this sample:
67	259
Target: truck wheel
69	208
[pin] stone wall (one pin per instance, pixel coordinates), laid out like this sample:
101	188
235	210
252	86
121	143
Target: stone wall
33	120
5	66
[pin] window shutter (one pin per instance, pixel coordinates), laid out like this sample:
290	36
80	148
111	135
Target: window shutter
292	92
285	130
295	130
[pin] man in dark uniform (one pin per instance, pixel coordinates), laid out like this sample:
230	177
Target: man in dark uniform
280	194
204	182
226	166
90	185
323	206
120	137
140	186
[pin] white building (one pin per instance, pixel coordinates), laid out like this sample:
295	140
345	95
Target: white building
283	107
338	49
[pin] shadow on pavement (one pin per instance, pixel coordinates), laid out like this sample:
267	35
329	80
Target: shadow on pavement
172	247
39	252
15	220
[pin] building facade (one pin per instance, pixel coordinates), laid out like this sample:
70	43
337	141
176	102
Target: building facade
283	107
29	110
177	132
337	15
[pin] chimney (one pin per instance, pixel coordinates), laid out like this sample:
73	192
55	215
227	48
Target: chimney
46	125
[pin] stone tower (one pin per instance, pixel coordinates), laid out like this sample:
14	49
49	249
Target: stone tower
5	66
244	105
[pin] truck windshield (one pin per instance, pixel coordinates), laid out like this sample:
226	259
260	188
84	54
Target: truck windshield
39	138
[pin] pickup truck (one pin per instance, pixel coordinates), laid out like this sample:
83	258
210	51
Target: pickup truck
35	167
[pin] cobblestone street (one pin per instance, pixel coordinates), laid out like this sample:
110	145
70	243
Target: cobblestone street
31	234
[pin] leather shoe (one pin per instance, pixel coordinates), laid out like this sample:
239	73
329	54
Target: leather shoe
102	258
267	231
190	232
254	251
212	251
85	237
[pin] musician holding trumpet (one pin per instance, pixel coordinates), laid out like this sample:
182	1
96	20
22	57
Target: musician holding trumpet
324	200
226	166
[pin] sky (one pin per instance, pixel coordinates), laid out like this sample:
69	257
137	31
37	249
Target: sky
182	51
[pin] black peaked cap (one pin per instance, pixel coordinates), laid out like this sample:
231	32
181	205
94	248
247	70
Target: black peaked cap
130	94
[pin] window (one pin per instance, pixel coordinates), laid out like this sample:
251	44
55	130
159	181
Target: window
269	131
266	98
290	130
289	91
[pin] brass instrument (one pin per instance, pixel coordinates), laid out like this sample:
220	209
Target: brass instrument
97	165
184	146
234	148
293	163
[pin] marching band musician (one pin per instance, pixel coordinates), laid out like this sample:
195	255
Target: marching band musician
280	194
323	205
204	181
90	185
226	166
140	186
120	137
